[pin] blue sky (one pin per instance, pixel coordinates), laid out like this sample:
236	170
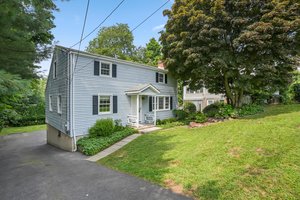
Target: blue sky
69	20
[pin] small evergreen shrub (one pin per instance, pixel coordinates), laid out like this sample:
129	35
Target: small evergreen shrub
211	110
189	107
102	127
92	145
180	115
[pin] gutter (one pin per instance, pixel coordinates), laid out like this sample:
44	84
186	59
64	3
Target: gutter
71	65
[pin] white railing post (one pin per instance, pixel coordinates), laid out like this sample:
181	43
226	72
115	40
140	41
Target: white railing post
154	110
137	110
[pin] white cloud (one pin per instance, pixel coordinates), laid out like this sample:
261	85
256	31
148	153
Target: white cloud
159	27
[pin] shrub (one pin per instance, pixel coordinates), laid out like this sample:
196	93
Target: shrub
296	90
102	127
200	118
211	110
92	145
189	107
250	109
118	125
180	114
165	121
226	111
172	124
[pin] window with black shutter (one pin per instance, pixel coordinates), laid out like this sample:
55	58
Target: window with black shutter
114	70
96	68
150	103
115	104
95	105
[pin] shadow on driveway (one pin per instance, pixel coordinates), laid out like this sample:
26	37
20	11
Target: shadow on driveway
31	169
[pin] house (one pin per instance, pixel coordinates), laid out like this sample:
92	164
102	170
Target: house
84	87
201	97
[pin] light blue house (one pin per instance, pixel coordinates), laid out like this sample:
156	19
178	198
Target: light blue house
83	87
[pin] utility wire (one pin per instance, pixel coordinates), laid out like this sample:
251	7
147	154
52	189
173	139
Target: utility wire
99	24
149	16
83	27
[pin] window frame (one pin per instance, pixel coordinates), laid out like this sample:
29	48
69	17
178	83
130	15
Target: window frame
59	104
100	69
54	72
163	77
156	107
213	101
110	104
50	103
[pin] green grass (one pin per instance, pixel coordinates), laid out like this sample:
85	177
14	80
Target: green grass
12	130
257	157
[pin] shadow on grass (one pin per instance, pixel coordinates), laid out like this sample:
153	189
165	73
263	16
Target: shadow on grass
143	160
210	190
273	110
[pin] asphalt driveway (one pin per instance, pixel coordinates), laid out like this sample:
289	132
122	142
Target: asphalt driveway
31	169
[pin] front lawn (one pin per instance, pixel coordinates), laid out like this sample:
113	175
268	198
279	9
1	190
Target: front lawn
257	157
24	129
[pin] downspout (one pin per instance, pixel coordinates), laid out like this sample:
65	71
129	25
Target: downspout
72	99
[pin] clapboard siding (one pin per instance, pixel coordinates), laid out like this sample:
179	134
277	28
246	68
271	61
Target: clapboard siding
86	84
55	87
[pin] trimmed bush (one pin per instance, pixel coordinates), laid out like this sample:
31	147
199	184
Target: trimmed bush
102	127
226	111
189	107
165	121
180	114
250	109
211	110
92	145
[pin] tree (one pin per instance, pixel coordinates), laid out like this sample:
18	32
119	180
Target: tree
25	35
113	41
232	47
153	52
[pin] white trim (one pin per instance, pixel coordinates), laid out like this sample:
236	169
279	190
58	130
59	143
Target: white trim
110	68
50	103
59	102
110	104
143	89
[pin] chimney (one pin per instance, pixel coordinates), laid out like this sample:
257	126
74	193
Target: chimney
160	64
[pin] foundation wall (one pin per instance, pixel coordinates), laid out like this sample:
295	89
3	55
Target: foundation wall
59	139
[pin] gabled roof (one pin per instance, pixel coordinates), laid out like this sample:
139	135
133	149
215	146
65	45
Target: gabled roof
141	88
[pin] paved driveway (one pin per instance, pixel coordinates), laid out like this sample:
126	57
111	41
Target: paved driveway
31	169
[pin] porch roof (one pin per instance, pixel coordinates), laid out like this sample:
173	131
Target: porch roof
141	89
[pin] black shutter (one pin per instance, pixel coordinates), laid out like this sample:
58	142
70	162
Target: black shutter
156	77
171	103
95	105
96	68
150	103
115	104
166	79
114	70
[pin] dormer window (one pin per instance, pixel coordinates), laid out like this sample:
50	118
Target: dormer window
161	78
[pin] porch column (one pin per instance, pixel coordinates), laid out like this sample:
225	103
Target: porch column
137	110
155	106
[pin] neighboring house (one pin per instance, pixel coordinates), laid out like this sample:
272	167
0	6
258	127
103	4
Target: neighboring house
201	98
82	89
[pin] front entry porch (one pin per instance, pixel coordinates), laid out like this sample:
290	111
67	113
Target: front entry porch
143	113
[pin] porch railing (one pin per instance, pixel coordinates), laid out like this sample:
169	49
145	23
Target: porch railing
132	120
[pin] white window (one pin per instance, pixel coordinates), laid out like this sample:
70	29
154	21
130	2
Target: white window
50	103
209	102
162	103
105	69
54	70
104	104
59	110
167	103
161	77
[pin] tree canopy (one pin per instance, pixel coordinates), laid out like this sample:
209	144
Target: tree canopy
233	47
116	40
153	52
25	35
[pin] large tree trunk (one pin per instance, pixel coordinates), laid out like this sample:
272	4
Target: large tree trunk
234	96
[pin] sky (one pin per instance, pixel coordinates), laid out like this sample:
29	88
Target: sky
69	20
